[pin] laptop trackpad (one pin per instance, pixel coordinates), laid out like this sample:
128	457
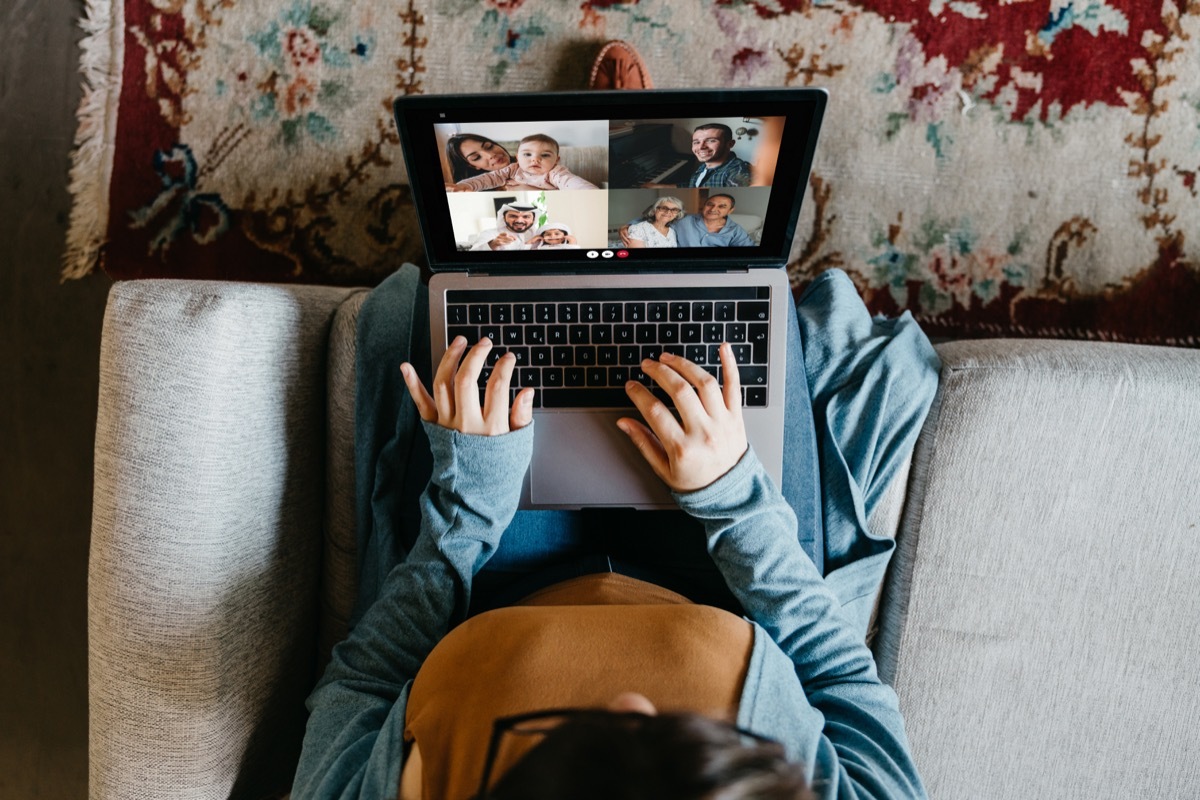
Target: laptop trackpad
583	459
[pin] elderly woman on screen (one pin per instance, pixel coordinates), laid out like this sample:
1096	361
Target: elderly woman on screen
654	228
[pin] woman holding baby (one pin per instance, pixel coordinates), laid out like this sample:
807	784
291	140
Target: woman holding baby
479	164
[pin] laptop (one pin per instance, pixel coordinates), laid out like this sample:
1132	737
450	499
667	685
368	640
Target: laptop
543	218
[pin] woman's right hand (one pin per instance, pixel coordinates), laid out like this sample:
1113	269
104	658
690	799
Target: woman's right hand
454	403
458	187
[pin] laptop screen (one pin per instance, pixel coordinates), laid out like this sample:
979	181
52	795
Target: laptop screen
623	180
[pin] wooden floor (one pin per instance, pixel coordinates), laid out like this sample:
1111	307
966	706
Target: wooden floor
49	346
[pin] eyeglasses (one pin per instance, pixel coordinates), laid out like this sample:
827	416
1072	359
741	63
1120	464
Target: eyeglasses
529	729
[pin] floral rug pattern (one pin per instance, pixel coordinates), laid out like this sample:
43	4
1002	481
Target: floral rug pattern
1021	169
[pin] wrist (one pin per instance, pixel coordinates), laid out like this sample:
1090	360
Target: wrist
728	489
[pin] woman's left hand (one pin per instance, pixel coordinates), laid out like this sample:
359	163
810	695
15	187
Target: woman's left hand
455	400
709	437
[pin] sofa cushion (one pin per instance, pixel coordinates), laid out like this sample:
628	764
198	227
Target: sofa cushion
1040	620
202	578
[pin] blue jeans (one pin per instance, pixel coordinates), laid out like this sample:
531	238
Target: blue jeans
540	548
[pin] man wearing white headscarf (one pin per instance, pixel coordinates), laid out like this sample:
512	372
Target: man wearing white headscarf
514	228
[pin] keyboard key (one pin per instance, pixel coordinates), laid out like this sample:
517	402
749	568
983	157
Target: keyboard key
645	334
696	353
568	312
656	312
602	334
617	376
523	313
501	314
630	354
456	315
493	356
556	334
725	311
607	356
759	337
635	312
742	353
552	376
544	313
574	376
585	356
535	334
652	351
714	332
514	334
735	332
612	312
468	332
668	333
589	312
529	376
493	332
521	354
541	357
757	311
691	332
579	334
597	376
563	356
752	376
673	349
681	312
756	395
623	334
702	311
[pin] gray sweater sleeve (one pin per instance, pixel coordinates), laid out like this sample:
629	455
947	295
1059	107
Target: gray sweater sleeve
353	745
855	745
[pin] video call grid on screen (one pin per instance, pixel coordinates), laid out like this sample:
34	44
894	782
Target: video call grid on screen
561	184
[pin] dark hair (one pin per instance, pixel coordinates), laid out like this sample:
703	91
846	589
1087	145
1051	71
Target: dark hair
666	757
460	168
732	200
725	130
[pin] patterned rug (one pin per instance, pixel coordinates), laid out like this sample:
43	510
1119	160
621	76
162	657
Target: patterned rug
1024	168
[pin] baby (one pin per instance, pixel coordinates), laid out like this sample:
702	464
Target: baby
537	166
553	236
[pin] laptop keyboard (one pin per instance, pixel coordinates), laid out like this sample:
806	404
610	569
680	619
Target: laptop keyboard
580	353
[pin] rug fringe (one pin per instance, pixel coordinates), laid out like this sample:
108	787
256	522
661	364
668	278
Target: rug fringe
100	61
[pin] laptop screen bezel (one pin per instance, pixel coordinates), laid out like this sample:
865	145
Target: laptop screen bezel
802	108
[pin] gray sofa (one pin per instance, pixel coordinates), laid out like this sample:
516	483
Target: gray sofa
1040	620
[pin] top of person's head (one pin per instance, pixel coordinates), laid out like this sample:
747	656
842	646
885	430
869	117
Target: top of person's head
543	138
665	757
726	131
459	138
732	201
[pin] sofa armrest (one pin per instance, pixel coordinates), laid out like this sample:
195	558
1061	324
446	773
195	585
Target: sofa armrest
1039	621
206	536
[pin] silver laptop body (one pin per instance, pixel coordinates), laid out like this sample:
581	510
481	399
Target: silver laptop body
637	144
